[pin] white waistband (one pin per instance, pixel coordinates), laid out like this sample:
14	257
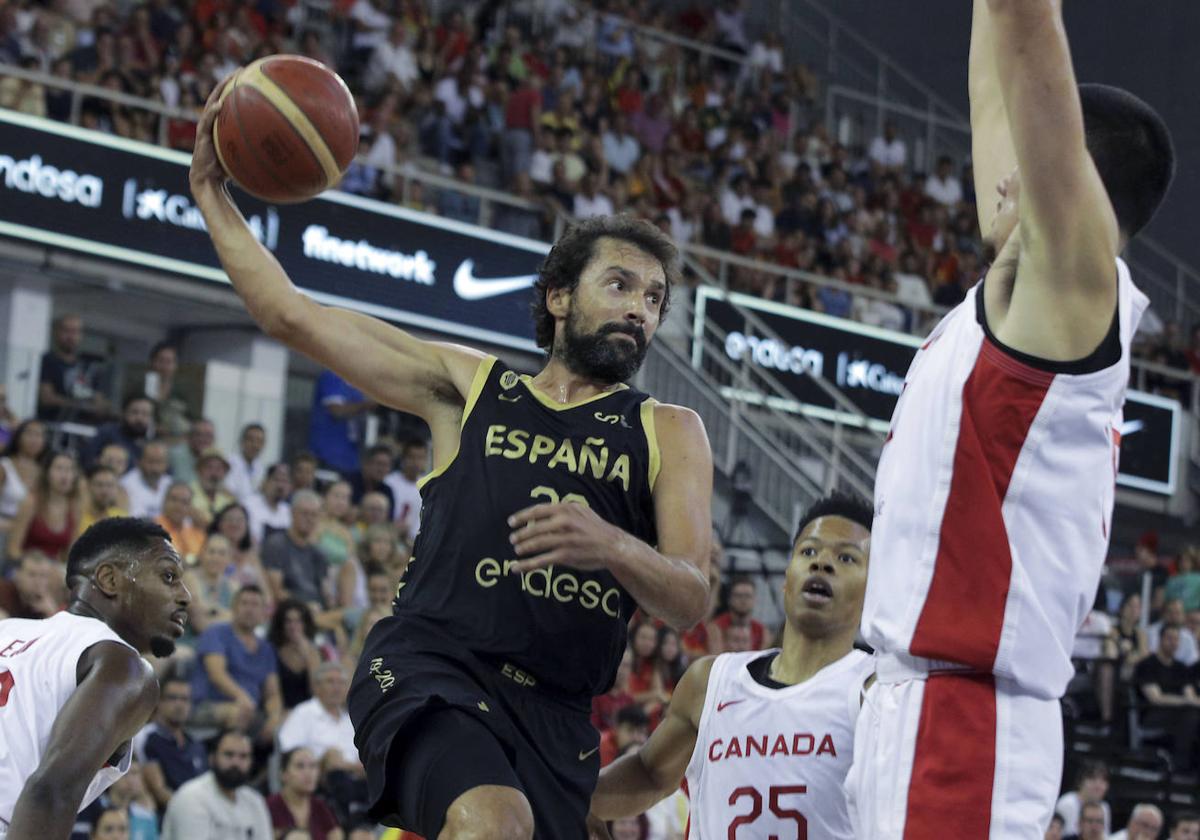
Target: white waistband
898	667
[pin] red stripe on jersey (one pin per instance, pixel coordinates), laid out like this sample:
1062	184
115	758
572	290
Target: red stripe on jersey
963	612
954	760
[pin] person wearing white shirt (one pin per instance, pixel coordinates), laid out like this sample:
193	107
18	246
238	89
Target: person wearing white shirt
246	466
147	485
1174	614
943	186
218	805
621	148
322	725
392	61
588	202
889	151
736	198
1092	786
268	507
371	25
414	461
1145	823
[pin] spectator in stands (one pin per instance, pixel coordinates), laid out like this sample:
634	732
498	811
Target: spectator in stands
888	150
209	494
295	567
1184	585
621	147
736	198
30	593
632	728
232	523
71	385
1124	648
1150	565
589	202
293	635
170	756
376	465
130	432
304	472
414	462
379	549
381	588
943	186
296	806
176	520
19	469
170	404
101	498
1054	831
1145	823
1166	685
267	508
46	519
322	725
219	804
706	637
185	459
111	824
606	706
235	682
128	796
335	425
147	484
1185	826
645	676
1093	817
1091	786
334	537
392	63
211	584
1174	615
671	660
739	638
742	593
247	467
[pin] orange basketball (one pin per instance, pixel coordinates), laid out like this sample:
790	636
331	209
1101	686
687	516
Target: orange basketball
287	128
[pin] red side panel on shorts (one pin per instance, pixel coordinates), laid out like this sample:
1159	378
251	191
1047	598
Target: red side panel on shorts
950	793
963	612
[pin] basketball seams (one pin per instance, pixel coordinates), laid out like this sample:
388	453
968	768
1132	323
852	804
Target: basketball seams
254	77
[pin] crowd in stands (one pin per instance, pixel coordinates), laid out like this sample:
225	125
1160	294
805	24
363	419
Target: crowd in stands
576	112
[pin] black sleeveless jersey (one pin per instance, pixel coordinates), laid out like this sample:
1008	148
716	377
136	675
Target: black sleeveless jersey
518	448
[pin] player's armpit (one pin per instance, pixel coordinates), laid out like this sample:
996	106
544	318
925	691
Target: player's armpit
114	700
634	782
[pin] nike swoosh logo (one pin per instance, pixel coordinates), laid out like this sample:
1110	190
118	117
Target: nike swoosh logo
507	398
721	706
584	756
469	287
1130	427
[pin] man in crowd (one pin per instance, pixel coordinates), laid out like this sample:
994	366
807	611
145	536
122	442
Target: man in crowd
632	727
267	508
742	593
376	465
235	683
1174	615
1185	826
335	428
177	521
130	432
414	462
1091	785
184	459
219	804
30	593
295	567
1145	823
102	499
70	385
304	471
169	756
209	494
1091	821
147	485
247	468
1170	696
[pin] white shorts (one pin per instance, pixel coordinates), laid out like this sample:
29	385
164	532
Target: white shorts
953	754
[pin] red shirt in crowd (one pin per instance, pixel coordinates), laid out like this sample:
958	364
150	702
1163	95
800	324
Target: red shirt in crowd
320	819
606	706
518	111
758	633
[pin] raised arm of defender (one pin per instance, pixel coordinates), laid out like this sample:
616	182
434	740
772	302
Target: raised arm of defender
634	782
429	379
1063	300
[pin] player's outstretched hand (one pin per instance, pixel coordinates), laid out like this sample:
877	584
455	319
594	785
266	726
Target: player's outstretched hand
564	534
597	830
206	168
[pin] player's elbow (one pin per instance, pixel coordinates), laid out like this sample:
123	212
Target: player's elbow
53	792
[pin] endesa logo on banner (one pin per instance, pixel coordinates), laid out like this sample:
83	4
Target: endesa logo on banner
868	366
113	198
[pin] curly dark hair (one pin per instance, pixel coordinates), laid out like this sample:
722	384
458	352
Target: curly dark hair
846	505
574	250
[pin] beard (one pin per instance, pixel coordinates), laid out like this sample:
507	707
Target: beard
162	646
596	356
230	778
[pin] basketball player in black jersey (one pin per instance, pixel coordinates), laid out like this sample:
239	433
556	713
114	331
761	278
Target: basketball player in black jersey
556	504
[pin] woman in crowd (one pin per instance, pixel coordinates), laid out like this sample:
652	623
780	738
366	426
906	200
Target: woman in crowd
334	538
46	518
112	824
671	660
295	806
645	678
293	634
211	583
1184	585
1124	648
232	523
19	469
380	550
606	706
129	795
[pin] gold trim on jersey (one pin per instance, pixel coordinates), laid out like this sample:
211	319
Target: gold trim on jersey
648	405
481	376
557	406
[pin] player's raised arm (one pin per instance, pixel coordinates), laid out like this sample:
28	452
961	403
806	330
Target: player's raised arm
386	363
634	782
992	154
1066	290
116	696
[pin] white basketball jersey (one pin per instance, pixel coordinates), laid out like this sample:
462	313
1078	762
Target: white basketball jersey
993	503
37	676
771	762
